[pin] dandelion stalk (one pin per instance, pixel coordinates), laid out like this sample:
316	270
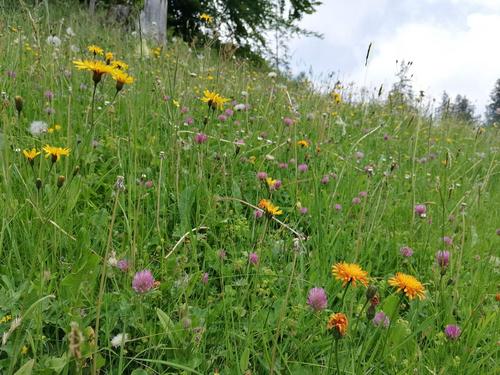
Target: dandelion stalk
103	280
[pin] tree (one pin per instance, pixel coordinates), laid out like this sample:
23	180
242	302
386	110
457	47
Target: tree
402	89
462	109
493	109
443	111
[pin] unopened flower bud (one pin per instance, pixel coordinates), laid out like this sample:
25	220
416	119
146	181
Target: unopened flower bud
60	181
19	103
371	291
38	183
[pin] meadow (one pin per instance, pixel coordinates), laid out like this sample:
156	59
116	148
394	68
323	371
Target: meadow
177	210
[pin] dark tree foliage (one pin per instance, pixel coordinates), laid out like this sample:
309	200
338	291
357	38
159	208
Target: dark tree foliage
247	23
462	109
493	109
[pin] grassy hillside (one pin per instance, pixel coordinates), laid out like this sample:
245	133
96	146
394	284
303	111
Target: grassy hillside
152	178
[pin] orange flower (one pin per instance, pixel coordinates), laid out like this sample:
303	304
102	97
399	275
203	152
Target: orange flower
350	273
408	285
339	323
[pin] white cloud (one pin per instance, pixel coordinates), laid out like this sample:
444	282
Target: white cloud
453	44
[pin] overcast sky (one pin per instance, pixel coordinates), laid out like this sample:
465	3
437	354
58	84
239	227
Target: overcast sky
454	44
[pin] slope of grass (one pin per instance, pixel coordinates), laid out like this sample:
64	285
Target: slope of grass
231	287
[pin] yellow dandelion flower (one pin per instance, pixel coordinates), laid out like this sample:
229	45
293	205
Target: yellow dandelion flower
303	143
121	78
269	208
270	182
338	322
5	319
57	127
206	18
337	97
408	284
350	273
30	155
176	103
157	51
108	57
98	68
214	100
118	64
55	153
95	50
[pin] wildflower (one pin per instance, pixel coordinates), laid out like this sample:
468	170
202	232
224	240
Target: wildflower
222	118
359	155
49	95
272	183
272	74
60	181
70	32
18	101
206	18
421	210
381	320
119	340
117	64
452	331
240	107
303	210
406	251
287	121
55	153
204	278
108	57
214	100
121	78
258	213
123	265
269	208
75	340
363	194
325	180
338	207
200	138
356	200
30	155
302	167
143	281
5	319
283	165
253	258
408	285
350	273
53	40
448	240
98	68
95	50
303	143
337	97
338	323
443	258
24	350
317	299
229	112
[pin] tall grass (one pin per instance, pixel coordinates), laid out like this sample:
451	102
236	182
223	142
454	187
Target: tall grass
187	212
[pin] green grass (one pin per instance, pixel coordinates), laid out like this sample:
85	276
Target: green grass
179	212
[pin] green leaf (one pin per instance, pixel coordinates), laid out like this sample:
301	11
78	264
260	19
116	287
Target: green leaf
139	371
245	356
57	363
167	325
185	205
26	369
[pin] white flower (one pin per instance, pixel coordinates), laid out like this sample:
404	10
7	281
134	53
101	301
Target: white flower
74	48
38	127
272	75
70	32
54	41
244	93
240	107
112	261
119	340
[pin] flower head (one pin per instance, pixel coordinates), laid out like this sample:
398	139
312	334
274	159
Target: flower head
269	208
214	100
118	64
108	57
253	258
350	273
408	285
406	251
381	320
30	155
98	68
55	153
200	138
303	143
421	210
38	127
443	258
143	281
121	78
206	18
302	167
95	50
317	299
452	331
119	340
338	323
